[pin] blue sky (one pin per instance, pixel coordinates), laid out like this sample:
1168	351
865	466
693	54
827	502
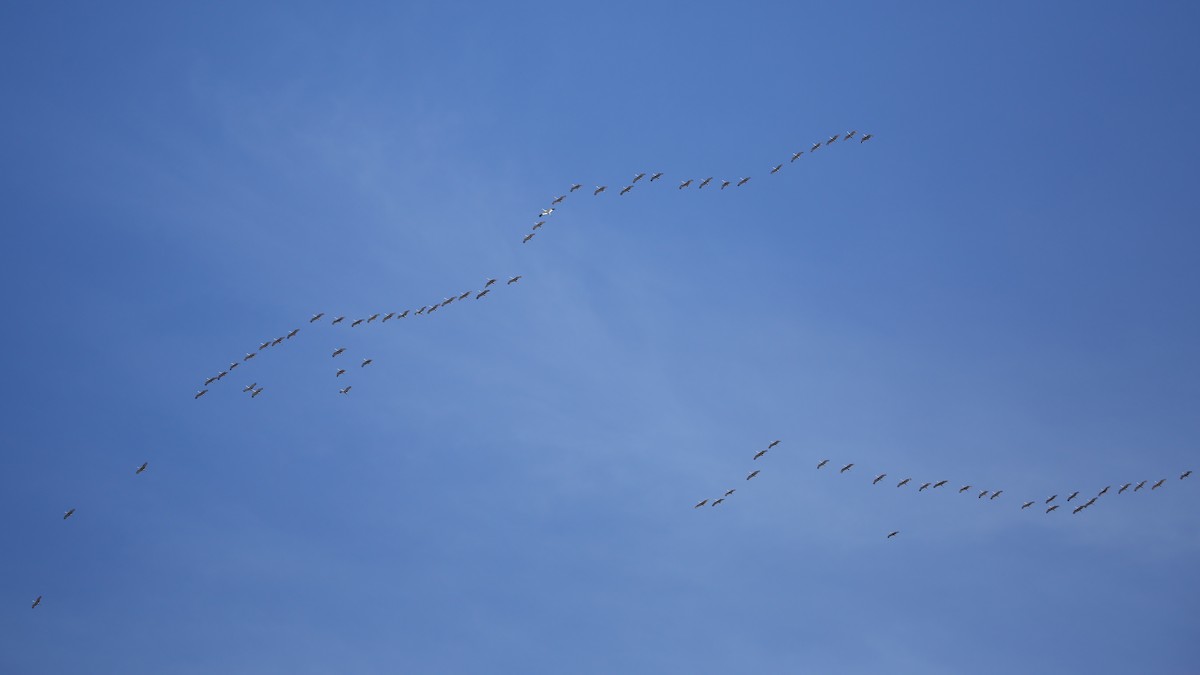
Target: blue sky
998	290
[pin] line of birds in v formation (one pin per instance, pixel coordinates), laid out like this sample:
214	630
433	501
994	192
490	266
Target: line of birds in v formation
427	310
991	495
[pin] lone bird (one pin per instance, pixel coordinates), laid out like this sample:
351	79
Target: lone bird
200	393
339	350
846	468
1026	505
316	317
892	534
36	602
141	468
822	463
365	362
346	390
743	181
68	514
702	503
879	478
777	168
752	474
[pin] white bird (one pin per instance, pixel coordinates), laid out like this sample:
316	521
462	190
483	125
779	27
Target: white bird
339	350
685	183
656	176
903	482
704	182
68	514
366	362
483	293
701	503
637	177
752	474
797	155
141	468
724	184
879	478
528	237
346	390
822	463
846	468
515	279
356	322
558	200
777	168
575	186
200	393
1026	505
1158	484
373	317
337	320
923	486
892	534
256	392
340	372
249	387
36	602
625	189
743	181
546	212
599	189
865	138
316	317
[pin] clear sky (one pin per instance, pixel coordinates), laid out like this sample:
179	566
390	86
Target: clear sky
999	289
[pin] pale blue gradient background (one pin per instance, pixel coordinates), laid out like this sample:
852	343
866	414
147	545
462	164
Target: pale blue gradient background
999	289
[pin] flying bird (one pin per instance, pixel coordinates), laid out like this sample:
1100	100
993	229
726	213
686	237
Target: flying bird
356	322
963	489
465	295
1124	488
599	189
702	503
1073	495
982	494
879	478
316	317
1139	486
797	155
923	486
729	492
256	392
625	189
1051	498
831	139
340	372
233	365
200	393
846	468
388	316
1158	484
685	183
337	320
1104	491
743	181
365	362
892	534
373	317
278	340
248	357
538	224
816	146
515	279
1052	508
575	186
221	374
423	308
546	212
339	350
760	453
865	138
903	482
68	514
1079	508
656	176
752	474
1185	474
850	134
704	182
718	501
264	345
483	293
36	602
995	494
249	387
1089	502
638	177
346	390
403	314
141	468
292	333
724	184
822	463
1026	505
940	483
558	200
773	444
210	380
777	168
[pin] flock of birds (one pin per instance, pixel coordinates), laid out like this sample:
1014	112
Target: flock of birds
991	495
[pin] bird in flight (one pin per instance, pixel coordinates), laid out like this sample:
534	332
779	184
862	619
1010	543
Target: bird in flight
760	453
489	283
701	503
365	362
249	387
797	155
704	182
831	139
546	212
1052	497
515	279
1104	491
538	224
1089	502
1158	484
656	176
724	184
373	317
940	483
903	482
982	494
816	146
36	602
292	333
356	322
995	494
685	183
403	314
483	293
1185	474
277	340
339	350
638	177
256	392
1079	508
558	200
316	317
575	186
892	534
1124	488
822	463
337	320
1073	495
68	514
1026	505
963	489
865	138
776	168
752	474
625	189
718	501
388	316
210	380
1052	508
923	486
1139	486
200	393
850	134
773	444
340	372
743	181
464	295
729	492
846	468
346	390
599	189
141	468
879	478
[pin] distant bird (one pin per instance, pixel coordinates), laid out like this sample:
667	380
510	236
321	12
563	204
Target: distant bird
558	200
1051	498
892	534
964	489
1139	486
366	362
816	146
865	138
995	494
1052	508
339	350
656	176
277	340
846	468
403	314
546	212
1089	502
850	134
772	444
743	181
724	184
483	293
701	503
1079	508
718	501
1104	491
538	224
373	317
249	387
760	453
704	182
1073	495
923	486
489	283
200	393
337	320
777	168
423	308
340	372
36	602
432	309
316	317
1185	474
903	482
388	316
982	494
599	189
256	392
346	390
465	295
210	380
879	478
797	155
831	139
575	186
822	463
233	365
68	514
731	491
685	183
1158	484
638	177
625	189
940	483
515	279
1026	505
356	322
752	474
1124	488
265	345
292	333
221	374
141	468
